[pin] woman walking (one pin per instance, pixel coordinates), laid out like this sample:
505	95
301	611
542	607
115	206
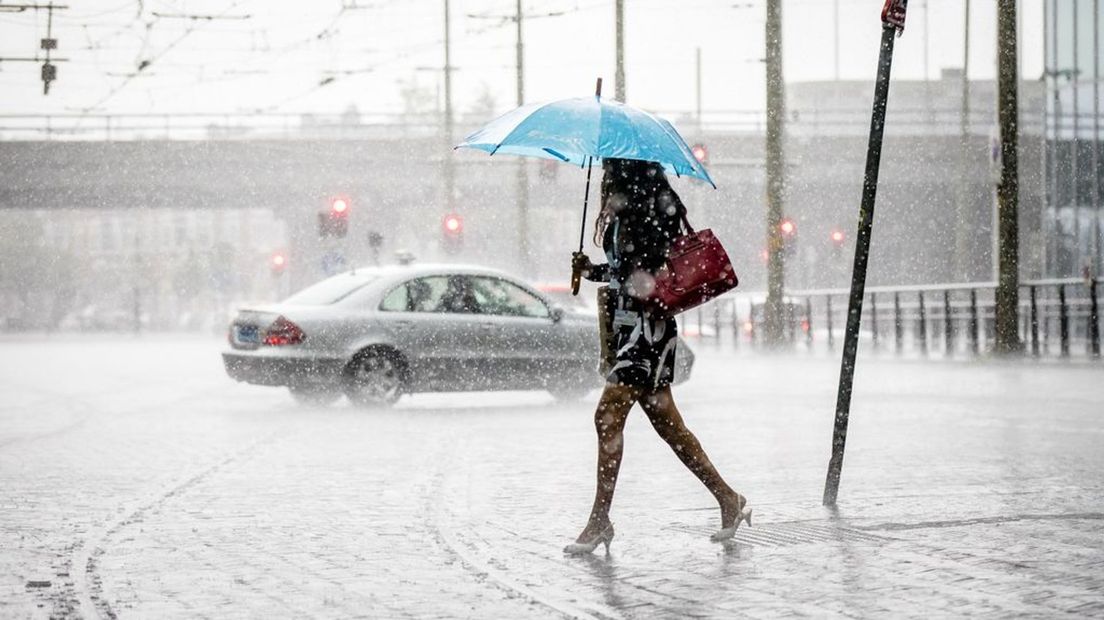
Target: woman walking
639	219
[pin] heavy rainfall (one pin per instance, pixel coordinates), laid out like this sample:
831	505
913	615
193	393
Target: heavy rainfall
570	308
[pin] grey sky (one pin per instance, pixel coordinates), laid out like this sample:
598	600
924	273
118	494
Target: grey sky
277	59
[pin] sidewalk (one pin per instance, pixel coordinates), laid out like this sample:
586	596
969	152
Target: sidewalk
154	487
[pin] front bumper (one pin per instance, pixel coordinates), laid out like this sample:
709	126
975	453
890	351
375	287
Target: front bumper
260	369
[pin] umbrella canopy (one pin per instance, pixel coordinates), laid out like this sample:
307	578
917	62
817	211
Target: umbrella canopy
585	128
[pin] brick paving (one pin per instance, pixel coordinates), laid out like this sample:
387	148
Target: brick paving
140	482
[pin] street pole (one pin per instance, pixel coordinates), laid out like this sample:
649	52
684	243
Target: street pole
450	170
836	26
522	170
1075	146
1097	267
697	88
773	328
893	18
1008	193
963	220
619	75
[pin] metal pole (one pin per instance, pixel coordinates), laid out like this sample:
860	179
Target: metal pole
1051	226
1008	193
927	32
874	319
809	322
1034	323
697	88
522	169
717	322
963	228
1063	321
774	322
898	326
1094	320
862	255
948	330
836	26
735	327
450	170
1075	143
1098	266
828	317
973	322
923	333
619	75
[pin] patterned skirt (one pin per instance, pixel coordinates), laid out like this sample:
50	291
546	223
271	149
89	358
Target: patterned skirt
642	346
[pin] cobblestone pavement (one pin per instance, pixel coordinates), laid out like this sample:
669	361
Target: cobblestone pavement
136	480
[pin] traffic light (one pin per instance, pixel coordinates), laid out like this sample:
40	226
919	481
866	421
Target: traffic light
700	153
452	233
335	222
278	263
837	243
789	236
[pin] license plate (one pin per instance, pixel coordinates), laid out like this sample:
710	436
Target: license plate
247	334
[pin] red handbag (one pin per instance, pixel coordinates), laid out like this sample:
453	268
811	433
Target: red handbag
697	270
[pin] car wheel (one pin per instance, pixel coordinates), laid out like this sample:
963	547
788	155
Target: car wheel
314	394
375	378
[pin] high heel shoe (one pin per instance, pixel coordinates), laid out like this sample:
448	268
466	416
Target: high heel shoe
582	548
726	533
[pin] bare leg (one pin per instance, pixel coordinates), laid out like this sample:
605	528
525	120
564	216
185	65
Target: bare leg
665	417
609	421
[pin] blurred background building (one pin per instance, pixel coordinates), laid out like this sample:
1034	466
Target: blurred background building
1073	54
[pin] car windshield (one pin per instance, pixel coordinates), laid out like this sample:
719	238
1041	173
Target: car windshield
330	290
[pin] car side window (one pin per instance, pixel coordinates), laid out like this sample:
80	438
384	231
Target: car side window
418	295
497	296
397	300
457	296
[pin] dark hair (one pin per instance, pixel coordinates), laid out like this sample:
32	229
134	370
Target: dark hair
628	184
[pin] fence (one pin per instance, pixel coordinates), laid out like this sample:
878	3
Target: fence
1057	317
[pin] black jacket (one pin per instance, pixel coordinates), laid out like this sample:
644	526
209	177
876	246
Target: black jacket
639	237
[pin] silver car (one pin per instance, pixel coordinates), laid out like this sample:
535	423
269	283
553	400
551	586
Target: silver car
376	334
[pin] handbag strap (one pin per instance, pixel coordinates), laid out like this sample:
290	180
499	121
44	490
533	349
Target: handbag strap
685	222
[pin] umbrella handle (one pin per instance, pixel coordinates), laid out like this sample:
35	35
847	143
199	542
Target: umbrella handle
576	275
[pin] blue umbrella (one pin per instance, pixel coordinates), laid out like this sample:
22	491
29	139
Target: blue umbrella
583	129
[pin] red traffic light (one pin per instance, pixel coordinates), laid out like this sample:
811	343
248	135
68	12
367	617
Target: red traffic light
837	237
339	206
453	224
700	152
787	227
278	262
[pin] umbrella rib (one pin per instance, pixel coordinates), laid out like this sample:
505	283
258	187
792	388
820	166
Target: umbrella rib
507	137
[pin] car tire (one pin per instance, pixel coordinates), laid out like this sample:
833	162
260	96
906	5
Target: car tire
316	395
375	378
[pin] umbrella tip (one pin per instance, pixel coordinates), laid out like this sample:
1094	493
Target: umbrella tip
598	88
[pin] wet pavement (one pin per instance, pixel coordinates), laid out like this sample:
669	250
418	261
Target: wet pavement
136	480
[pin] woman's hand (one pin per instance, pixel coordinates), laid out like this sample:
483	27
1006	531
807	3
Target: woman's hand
580	263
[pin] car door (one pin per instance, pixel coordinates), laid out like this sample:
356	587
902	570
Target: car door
518	334
435	324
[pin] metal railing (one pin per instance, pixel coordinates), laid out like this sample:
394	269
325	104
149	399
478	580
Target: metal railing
1057	317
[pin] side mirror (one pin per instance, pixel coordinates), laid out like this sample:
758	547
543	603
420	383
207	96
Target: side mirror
557	314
